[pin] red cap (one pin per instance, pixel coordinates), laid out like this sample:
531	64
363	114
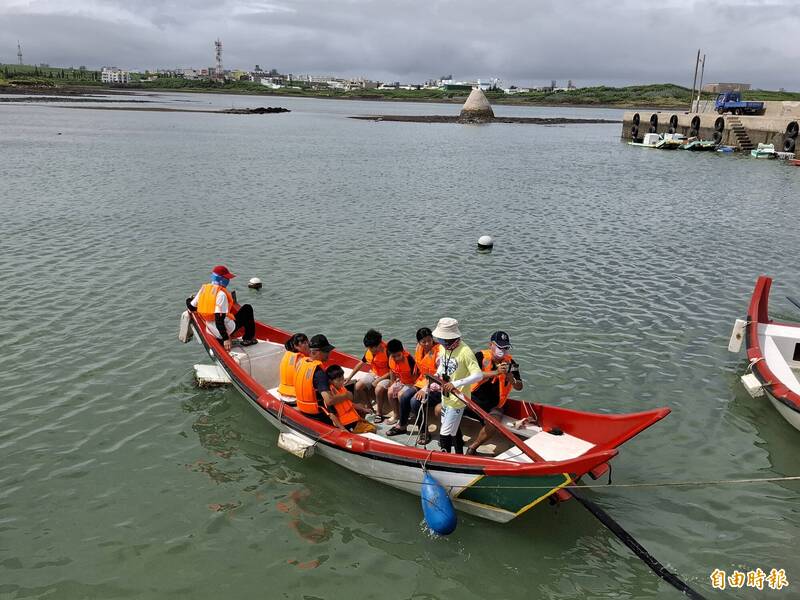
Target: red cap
222	271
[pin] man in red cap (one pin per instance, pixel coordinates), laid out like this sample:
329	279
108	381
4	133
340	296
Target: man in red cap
214	303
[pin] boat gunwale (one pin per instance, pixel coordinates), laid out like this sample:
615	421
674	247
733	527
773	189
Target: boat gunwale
758	314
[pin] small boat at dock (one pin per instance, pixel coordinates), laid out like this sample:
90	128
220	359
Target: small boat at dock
700	145
541	450
773	350
671	141
764	151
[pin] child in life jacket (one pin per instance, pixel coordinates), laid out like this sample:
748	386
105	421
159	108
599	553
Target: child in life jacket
351	416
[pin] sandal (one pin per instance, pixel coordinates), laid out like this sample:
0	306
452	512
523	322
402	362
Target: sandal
248	342
424	439
378	418
396	431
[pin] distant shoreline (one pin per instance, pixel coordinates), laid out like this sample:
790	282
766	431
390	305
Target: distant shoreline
89	91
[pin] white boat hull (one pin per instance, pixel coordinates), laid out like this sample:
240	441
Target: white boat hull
792	416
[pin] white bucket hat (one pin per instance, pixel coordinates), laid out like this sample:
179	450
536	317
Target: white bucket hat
447	329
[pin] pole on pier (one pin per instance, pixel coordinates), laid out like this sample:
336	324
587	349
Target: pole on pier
694	83
700	87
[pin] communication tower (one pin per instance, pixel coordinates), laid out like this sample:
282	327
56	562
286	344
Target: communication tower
218	74
19	52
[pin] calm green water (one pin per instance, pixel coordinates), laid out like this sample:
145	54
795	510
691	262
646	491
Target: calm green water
618	273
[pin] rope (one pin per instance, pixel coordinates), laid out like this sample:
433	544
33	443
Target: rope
604	485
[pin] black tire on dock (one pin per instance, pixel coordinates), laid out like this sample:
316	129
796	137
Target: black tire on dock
719	124
636	119
671	129
653	129
718	137
673	122
792	129
654	120
634	132
696	123
789	144
738	112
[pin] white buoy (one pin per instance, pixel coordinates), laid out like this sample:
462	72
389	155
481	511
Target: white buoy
254	283
485	242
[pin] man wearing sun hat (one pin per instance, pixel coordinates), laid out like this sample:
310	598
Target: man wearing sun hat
457	366
214	303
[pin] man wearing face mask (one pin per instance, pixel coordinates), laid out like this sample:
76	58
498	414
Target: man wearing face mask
500	376
215	305
457	366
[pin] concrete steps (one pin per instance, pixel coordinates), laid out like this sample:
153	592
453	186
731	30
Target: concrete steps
740	133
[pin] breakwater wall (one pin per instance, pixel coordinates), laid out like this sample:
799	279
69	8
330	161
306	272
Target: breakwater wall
779	125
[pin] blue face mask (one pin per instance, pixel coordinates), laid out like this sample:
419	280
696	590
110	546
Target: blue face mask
219	280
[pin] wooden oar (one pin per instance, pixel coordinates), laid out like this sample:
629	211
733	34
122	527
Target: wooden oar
527	450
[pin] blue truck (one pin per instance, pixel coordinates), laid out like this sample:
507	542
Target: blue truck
732	102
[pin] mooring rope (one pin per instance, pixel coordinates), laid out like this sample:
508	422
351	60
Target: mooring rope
608	485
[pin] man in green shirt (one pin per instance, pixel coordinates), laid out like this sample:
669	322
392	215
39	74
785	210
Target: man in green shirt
459	369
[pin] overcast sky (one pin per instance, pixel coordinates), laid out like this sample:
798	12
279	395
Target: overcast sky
520	41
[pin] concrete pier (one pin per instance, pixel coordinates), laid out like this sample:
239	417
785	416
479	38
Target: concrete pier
778	125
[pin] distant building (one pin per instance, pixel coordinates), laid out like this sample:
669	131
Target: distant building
114	75
719	88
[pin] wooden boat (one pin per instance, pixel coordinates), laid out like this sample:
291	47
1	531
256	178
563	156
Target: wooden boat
564	446
795	162
773	350
764	151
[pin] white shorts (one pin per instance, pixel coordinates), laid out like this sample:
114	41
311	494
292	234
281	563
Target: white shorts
451	419
369	379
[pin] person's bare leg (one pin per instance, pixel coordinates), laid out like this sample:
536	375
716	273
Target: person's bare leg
483	435
381	399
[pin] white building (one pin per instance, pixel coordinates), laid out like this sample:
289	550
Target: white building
114	75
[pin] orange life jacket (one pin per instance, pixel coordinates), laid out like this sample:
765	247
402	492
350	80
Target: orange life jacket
345	410
207	301
426	363
488	365
379	362
288	372
304	386
402	369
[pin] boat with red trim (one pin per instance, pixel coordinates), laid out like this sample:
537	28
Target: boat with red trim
773	350
529	463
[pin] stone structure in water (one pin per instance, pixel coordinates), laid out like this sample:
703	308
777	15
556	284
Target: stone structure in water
476	109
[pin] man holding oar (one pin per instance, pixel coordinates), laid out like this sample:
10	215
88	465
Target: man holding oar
459	369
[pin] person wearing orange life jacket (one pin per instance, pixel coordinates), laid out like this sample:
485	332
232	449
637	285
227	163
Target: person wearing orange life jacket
214	304
296	348
312	385
375	384
501	375
349	414
403	374
420	397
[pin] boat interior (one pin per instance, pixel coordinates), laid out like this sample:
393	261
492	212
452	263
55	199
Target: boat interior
780	345
262	362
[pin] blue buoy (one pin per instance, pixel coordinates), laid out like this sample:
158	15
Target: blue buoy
437	507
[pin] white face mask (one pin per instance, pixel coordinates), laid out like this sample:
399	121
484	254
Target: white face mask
498	352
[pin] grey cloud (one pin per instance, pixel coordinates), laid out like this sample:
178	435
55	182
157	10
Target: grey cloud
519	41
